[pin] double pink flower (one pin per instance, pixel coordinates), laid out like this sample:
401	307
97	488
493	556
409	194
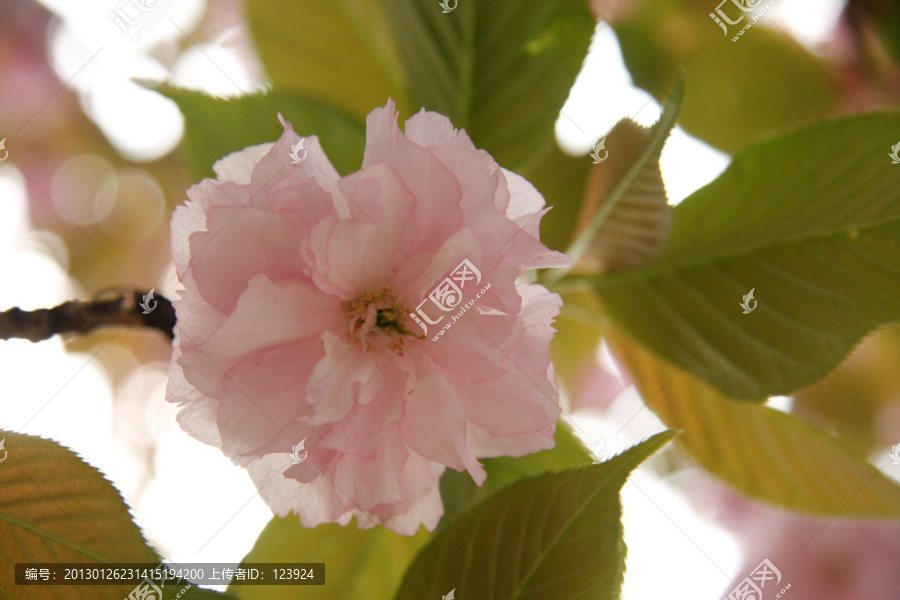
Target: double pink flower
312	306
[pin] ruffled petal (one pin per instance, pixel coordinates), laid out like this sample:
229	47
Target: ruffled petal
435	426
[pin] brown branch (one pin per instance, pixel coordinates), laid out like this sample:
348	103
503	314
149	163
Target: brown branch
113	307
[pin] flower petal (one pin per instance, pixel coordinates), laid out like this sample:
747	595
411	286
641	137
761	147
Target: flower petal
271	313
435	426
344	377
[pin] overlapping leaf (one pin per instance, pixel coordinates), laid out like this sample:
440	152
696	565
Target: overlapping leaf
338	52
458	491
359	564
557	535
501	70
738	91
625	219
764	453
811	220
216	127
561	180
55	508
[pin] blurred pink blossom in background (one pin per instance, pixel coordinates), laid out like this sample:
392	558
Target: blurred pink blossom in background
821	558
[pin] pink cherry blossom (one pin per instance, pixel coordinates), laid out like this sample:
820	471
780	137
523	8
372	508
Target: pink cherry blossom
295	322
821	558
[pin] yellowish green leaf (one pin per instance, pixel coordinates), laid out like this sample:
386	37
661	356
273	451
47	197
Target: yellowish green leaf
360	564
764	453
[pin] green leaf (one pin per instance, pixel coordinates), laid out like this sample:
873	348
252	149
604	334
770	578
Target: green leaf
54	507
500	69
458	491
811	221
560	178
216	127
339	52
359	564
573	349
568	453
874	25
737	91
868	378
764	453
626	218
557	535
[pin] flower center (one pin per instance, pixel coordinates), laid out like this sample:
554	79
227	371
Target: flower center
377	318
